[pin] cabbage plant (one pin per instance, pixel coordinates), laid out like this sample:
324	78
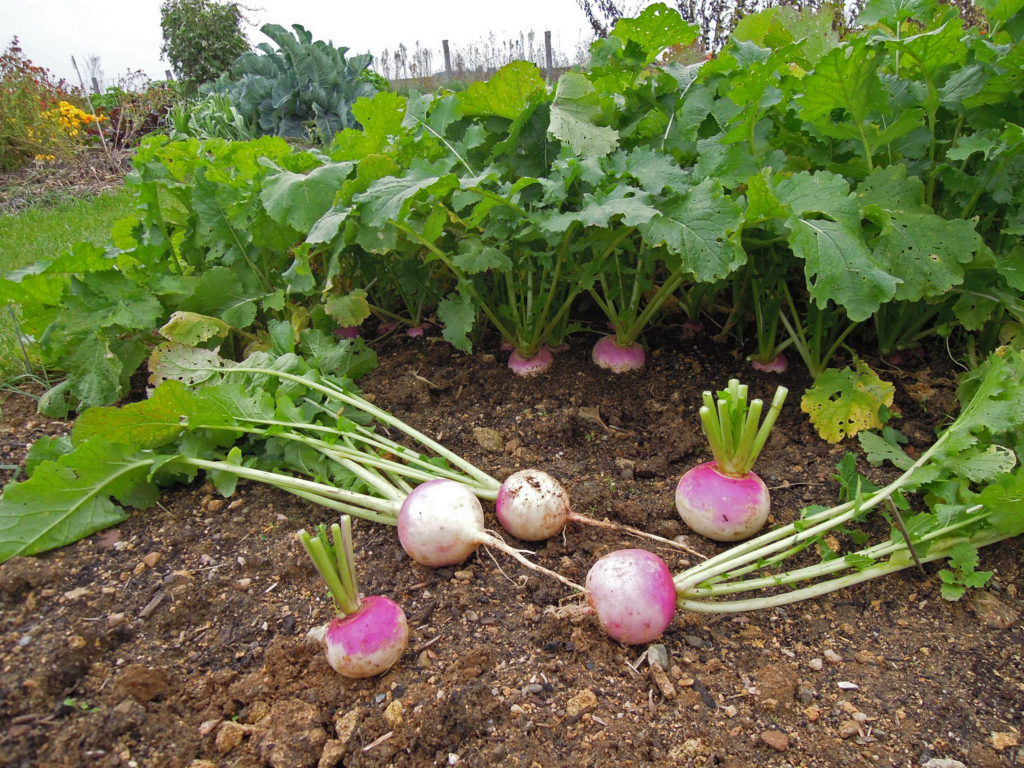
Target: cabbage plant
303	90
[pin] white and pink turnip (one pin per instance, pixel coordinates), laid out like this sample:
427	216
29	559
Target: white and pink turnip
442	523
368	634
633	595
724	499
534	365
369	641
608	353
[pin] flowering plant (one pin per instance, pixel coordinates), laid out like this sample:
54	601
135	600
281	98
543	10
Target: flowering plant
38	114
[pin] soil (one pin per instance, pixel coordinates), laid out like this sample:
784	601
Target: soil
178	638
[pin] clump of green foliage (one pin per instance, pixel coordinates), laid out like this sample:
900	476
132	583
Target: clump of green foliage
201	39
135	107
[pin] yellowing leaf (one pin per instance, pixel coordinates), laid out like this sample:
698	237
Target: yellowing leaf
842	403
193	329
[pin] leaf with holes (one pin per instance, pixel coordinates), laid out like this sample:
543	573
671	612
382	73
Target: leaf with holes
842	403
925	251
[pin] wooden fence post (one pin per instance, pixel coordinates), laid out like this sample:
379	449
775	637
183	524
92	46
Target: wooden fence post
447	59
547	53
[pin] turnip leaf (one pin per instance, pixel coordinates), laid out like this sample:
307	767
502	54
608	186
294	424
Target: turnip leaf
842	403
505	94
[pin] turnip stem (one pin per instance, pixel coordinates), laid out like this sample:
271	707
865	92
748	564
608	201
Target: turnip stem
731	426
877	552
296	484
337	570
347	398
899	561
348	509
344	556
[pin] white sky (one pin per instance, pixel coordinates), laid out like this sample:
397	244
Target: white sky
126	36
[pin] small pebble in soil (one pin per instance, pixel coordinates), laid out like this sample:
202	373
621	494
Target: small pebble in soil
816	664
832	657
777	740
582	702
848	729
657	654
393	714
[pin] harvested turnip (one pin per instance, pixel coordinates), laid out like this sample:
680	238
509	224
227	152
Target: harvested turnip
442	523
532	506
723	499
633	595
368	635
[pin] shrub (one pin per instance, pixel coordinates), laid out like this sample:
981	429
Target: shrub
135	107
201	39
39	117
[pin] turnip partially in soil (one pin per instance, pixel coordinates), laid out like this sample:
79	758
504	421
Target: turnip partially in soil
618	358
369	634
723	499
533	365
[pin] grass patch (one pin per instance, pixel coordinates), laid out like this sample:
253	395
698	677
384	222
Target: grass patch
42	232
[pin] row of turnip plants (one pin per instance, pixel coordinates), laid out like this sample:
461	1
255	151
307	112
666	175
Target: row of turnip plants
799	193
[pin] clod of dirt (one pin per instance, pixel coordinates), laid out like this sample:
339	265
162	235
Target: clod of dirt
143	683
993	612
291	736
777	740
21	574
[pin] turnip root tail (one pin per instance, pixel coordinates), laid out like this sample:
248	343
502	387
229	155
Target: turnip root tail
490	540
608	525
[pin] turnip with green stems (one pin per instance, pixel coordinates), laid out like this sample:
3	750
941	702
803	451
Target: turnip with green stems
369	634
723	499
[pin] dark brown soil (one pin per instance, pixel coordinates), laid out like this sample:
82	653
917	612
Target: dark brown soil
178	638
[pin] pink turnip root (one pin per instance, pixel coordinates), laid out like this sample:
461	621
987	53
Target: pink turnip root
608	353
724	500
777	364
633	595
531	366
368	634
722	507
369	641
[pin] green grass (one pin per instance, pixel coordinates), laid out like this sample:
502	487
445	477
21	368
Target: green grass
42	232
